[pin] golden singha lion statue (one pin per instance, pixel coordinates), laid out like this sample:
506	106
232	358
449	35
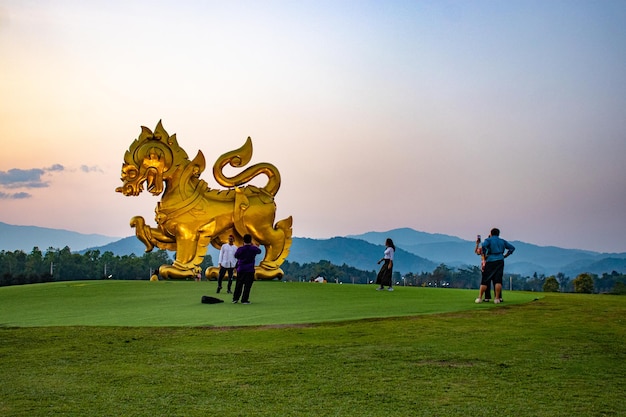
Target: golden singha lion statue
190	215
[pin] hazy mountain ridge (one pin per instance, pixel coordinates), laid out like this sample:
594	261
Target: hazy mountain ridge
527	259
406	236
25	238
354	252
416	251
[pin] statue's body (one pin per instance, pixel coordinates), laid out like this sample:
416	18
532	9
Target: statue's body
190	215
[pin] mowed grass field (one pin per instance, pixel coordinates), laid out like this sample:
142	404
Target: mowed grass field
177	303
138	348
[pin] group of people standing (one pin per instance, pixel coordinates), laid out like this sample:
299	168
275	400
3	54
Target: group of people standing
242	258
492	251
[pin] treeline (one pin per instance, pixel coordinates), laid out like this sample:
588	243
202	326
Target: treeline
333	273
442	276
19	267
466	278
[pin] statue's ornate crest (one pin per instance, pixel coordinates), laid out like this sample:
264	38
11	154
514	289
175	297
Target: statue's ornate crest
190	215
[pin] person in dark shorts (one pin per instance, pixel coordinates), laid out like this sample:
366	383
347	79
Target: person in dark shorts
493	249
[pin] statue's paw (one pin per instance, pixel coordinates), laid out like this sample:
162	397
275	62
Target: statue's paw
142	232
212	272
137	221
267	274
171	272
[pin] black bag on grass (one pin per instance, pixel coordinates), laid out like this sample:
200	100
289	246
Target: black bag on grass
211	300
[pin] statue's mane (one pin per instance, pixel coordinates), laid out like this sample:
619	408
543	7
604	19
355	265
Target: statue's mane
159	143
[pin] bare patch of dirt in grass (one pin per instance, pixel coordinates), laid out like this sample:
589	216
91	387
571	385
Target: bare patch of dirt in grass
261	327
446	363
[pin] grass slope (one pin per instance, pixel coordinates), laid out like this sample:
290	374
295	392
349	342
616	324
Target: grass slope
177	303
562	355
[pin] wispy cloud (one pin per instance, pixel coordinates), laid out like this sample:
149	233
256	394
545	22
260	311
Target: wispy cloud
14	196
27	178
55	167
94	168
16	178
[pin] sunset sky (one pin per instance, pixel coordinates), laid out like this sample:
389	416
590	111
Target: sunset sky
443	116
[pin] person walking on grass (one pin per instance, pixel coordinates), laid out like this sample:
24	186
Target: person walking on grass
226	263
384	277
245	256
493	248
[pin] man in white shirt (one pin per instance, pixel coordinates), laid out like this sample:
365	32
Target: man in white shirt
227	263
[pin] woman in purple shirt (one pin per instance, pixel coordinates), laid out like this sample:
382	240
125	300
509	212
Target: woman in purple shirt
245	256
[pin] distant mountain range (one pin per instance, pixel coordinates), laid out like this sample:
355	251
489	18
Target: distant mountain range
416	251
25	238
526	260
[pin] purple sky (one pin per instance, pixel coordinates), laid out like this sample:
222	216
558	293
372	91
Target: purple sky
446	117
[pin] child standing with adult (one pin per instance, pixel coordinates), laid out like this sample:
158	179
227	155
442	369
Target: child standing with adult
494	248
478	250
246	256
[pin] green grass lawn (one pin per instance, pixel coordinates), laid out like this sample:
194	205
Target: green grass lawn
151	349
177	303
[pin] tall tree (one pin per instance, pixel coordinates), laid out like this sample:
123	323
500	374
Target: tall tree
583	283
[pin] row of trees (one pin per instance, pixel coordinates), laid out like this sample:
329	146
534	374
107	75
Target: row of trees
467	278
587	283
18	267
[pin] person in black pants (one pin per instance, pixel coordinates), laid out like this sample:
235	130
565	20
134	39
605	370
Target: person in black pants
245	256
227	263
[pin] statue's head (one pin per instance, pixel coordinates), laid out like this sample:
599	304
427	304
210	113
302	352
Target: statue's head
150	159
